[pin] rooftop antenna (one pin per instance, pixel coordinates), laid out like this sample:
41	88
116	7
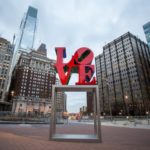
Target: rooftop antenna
13	39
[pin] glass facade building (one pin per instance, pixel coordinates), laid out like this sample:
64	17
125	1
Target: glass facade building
27	29
123	75
146	28
26	37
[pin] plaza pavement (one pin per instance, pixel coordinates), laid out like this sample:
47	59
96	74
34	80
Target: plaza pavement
35	137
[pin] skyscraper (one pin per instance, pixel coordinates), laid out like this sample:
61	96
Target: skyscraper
26	37
27	29
146	28
123	74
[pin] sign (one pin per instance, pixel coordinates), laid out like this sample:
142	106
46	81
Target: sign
80	63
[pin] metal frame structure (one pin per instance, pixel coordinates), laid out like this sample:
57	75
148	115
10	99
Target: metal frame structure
96	137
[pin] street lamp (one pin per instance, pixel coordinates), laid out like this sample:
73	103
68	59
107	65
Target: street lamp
12	93
109	102
147	113
126	102
120	113
126	97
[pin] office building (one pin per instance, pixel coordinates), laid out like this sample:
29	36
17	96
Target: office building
146	28
33	78
123	75
27	30
6	53
26	37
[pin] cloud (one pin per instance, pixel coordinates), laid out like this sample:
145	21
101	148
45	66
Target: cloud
72	24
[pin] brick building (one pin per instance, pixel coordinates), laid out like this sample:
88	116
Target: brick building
32	82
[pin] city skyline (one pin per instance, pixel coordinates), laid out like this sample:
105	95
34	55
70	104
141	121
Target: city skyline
73	25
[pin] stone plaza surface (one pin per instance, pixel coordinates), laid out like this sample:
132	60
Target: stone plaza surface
35	137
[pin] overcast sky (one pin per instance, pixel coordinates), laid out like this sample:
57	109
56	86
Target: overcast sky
76	23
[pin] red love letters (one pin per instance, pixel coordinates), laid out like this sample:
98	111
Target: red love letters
80	63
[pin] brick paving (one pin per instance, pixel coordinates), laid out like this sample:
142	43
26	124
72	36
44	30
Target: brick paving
35	137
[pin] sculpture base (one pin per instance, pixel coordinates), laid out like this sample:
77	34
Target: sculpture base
76	137
96	137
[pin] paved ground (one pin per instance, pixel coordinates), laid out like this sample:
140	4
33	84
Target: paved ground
35	137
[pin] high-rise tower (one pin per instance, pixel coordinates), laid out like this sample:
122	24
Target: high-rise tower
26	37
146	28
27	29
123	76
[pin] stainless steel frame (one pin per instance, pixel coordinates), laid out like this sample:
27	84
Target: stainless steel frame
96	137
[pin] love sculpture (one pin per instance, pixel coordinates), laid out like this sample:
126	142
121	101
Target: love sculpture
80	63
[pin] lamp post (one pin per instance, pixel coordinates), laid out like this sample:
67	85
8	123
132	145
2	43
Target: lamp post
109	102
126	102
14	102
12	93
147	114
